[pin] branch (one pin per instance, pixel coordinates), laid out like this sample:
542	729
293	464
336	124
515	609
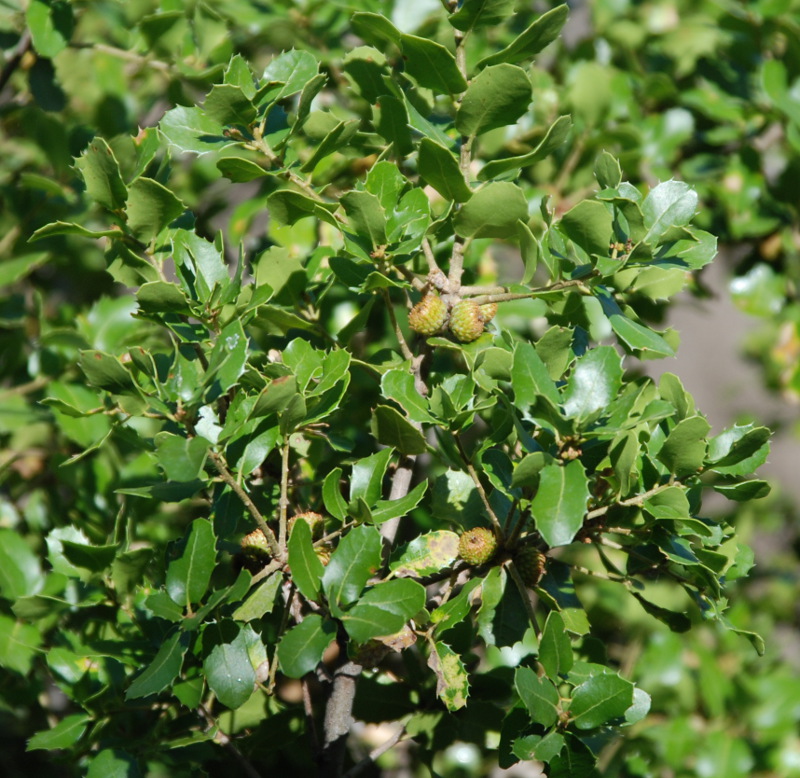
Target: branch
339	717
283	503
406	351
376	753
222	469
526	597
479	486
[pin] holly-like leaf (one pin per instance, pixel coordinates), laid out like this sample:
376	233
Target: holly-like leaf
560	502
163	670
63	735
593	383
532	40
391	428
539	696
684	450
100	171
492	212
188	575
481	13
383	609
228	668
356	559
555	648
427	554
452	681
441	170
150	207
306	567
601	699
302	647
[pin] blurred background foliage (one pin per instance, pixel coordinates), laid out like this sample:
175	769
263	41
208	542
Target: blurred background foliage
705	91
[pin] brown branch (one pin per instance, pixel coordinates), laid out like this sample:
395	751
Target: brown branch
272	541
283	502
15	57
339	716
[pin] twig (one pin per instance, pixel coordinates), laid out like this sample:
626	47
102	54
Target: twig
479	486
433	267
636	500
283	503
15	57
222	468
130	56
401	485
375	754
526	597
406	351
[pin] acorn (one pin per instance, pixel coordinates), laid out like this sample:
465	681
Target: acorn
488	312
477	546
530	563
316	521
255	544
466	322
428	316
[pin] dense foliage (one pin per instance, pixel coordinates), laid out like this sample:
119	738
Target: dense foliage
326	440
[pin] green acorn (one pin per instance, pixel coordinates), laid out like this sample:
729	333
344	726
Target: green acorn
466	322
314	520
530	565
428	316
488	312
477	546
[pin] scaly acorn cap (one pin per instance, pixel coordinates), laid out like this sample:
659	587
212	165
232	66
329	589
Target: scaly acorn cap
477	546
530	564
429	315
314	520
488	312
466	322
255	544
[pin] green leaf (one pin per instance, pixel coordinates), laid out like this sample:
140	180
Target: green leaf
589	225
335	504
94	558
305	565
228	104
432	65
684	450
150	208
740	450
20	644
188	575
356	559
503	617
261	601
100	171
383	609
456	609
192	129
163	670
391	121
338	137
481	13
744	491
452	681
68	228
366	216
113	763
530	379
391	428
366	480
635	336
599	700
497	97
399	386
559	506
106	372
288	207
302	647
181	458
385	510
539	696
760	292
555	648
293	70
492	212
441	170
162	297
594	382
530	42
554	137
427	554
607	171
670	204
557	589
677	622
63	735
20	569
227	668
50	24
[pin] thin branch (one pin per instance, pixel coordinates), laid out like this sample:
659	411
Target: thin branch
412	278
283	503
375	754
15	57
637	500
525	593
130	56
433	267
265	572
406	351
272	541
471	291
479	486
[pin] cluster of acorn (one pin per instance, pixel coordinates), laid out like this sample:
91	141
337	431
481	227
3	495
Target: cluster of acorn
465	319
479	545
